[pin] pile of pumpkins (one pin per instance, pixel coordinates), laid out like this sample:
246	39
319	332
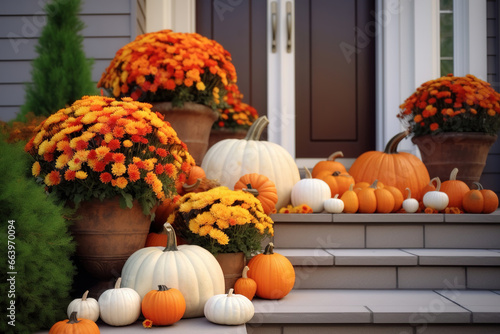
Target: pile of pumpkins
190	284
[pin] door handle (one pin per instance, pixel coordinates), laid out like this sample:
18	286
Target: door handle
274	24
289	26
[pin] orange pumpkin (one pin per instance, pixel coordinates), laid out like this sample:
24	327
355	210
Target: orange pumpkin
74	325
480	200
156	239
163	211
398	169
260	186
398	197
163	306
273	273
245	285
430	186
329	165
350	199
196	173
455	189
338	182
367	199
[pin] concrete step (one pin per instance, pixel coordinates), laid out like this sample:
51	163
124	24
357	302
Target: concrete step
326	231
379	311
395	268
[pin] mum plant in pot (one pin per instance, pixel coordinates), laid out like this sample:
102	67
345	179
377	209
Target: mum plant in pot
113	161
454	122
230	224
181	74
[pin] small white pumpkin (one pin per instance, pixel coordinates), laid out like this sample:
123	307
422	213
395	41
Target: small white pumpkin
119	306
86	308
410	205
436	199
334	205
312	192
191	269
230	309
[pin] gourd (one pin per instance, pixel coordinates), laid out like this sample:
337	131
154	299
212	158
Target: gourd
436	199
312	192
329	165
273	273
191	269
334	205
351	201
87	308
245	285
164	306
262	188
455	189
119	306
480	200
74	325
399	169
229	159
230	309
410	204
338	182
397	195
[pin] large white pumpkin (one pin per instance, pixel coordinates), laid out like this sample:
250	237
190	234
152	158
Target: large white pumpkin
191	269
230	159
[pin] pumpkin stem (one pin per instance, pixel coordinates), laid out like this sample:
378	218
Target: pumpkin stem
230	293
392	144
336	196
409	193
374	184
335	155
478	185
118	283
73	319
453	174
251	190
434	179
257	128
171	239
244	273
162	287
351	187
85	294
308	173
191	187
438	183
269	249
336	173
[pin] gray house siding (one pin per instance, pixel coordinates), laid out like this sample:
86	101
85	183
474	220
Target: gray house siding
109	25
491	174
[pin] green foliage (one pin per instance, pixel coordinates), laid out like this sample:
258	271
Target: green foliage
41	251
61	73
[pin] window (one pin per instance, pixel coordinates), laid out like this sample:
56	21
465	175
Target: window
446	36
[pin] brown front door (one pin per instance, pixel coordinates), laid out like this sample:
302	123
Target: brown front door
334	66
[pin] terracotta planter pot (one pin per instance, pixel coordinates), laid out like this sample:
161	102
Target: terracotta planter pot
192	123
221	134
106	235
232	265
466	151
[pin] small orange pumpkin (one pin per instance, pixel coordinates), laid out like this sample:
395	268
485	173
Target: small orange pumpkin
367	199
245	285
156	239
338	182
350	199
480	200
74	325
163	306
163	211
398	197
261	187
196	173
273	273
329	165
385	200
455	189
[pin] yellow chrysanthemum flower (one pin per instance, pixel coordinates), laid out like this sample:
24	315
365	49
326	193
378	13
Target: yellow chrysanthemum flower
118	169
36	168
81	175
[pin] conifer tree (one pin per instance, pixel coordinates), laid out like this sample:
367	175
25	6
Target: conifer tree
61	73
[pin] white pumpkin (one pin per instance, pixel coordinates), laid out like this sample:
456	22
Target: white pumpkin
230	309
312	192
334	205
191	269
436	199
86	308
230	159
410	205
119	306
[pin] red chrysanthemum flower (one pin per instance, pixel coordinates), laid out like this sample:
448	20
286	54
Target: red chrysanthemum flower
114	144
105	177
161	152
69	175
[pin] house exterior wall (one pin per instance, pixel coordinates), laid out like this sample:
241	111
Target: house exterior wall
109	25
